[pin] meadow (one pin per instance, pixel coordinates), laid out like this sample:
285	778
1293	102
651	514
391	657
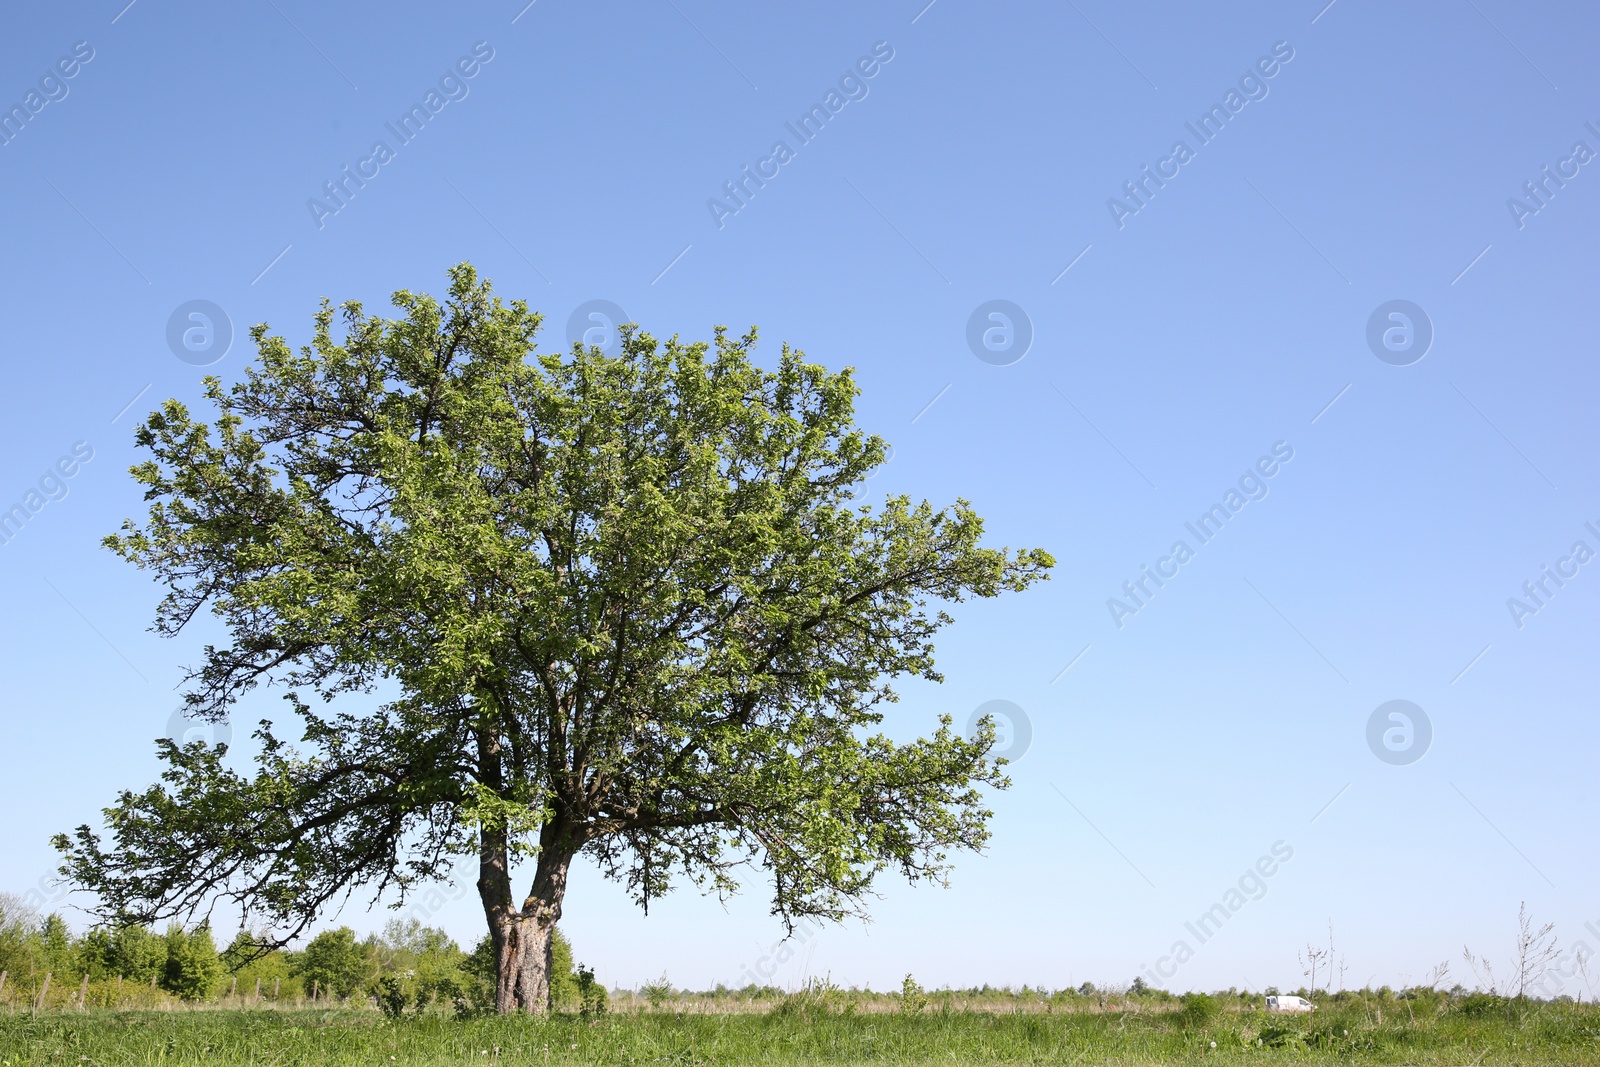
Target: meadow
822	1026
411	995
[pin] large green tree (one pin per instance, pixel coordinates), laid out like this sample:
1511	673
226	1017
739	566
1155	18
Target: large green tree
627	606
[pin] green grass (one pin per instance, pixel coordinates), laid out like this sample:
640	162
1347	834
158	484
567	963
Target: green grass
1538	1034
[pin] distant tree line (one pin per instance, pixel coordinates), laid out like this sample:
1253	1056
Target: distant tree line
408	967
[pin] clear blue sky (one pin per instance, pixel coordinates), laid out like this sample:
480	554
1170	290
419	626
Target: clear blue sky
977	163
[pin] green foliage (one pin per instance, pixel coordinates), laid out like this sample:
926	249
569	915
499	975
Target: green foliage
19	953
391	996
56	951
334	964
480	963
181	963
192	966
817	997
564	993
911	995
427	962
256	967
656	991
410	938
409	964
592	997
632	605
1485	1005
1281	1037
1199	1010
132	953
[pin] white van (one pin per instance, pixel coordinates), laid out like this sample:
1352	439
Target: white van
1294	1005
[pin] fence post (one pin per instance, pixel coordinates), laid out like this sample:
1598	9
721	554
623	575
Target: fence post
2	982
275	982
314	983
233	990
117	994
83	992
38	1005
258	988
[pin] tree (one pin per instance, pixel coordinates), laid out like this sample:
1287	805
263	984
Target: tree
632	606
130	951
254	968
20	953
565	994
411	937
425	958
56	941
192	967
334	964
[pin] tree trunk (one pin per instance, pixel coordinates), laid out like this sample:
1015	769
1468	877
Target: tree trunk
522	966
522	937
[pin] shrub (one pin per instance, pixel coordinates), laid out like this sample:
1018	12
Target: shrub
657	991
1484	1005
440	983
564	994
192	966
134	953
334	963
57	943
391	997
1199	1010
592	994
911	996
19	947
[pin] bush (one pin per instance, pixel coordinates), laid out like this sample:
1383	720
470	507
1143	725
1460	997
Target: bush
391	997
1483	1006
592	995
564	993
192	966
333	963
256	970
441	984
657	991
18	946
911	996
1199	1010
132	953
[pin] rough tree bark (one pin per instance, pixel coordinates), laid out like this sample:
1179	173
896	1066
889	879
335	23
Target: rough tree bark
522	936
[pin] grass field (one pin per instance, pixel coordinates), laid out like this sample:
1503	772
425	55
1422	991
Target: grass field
799	1032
